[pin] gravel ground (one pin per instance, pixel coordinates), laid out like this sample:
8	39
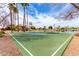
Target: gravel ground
73	47
8	47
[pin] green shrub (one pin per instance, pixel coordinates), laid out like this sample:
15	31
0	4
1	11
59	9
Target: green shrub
2	33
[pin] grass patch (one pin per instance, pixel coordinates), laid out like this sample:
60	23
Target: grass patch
2	33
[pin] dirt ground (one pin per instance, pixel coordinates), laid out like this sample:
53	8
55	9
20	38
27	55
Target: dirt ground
73	47
7	47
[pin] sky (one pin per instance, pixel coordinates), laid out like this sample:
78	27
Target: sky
47	14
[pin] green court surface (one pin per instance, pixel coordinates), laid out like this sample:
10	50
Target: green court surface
41	43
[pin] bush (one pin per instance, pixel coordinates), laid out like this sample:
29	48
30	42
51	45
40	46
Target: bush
2	33
50	27
9	27
33	27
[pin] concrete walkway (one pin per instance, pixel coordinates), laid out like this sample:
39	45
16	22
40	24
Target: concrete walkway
73	48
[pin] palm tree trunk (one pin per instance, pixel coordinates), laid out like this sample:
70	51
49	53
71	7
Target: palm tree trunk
18	21
17	17
27	21
24	21
11	21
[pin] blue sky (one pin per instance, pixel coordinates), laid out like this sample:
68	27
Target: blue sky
47	14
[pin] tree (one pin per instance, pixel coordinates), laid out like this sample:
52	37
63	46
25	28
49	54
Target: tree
72	14
76	6
58	28
24	19
13	14
44	28
4	18
3	15
30	23
50	27
33	27
27	18
16	14
11	10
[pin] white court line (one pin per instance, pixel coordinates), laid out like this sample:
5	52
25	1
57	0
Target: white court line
61	46
22	46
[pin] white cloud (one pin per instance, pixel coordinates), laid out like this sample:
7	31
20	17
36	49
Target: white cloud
65	9
46	20
43	20
72	23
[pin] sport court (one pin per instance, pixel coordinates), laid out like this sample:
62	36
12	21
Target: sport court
41	43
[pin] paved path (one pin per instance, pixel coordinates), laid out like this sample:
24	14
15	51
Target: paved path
73	48
7	47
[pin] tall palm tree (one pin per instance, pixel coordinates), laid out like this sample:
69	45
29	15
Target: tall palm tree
24	19
15	10
16	13
11	10
13	14
17	16
27	19
18	21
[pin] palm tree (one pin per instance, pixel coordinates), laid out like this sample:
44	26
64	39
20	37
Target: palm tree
27	20
13	14
24	19
17	16
11	10
15	10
